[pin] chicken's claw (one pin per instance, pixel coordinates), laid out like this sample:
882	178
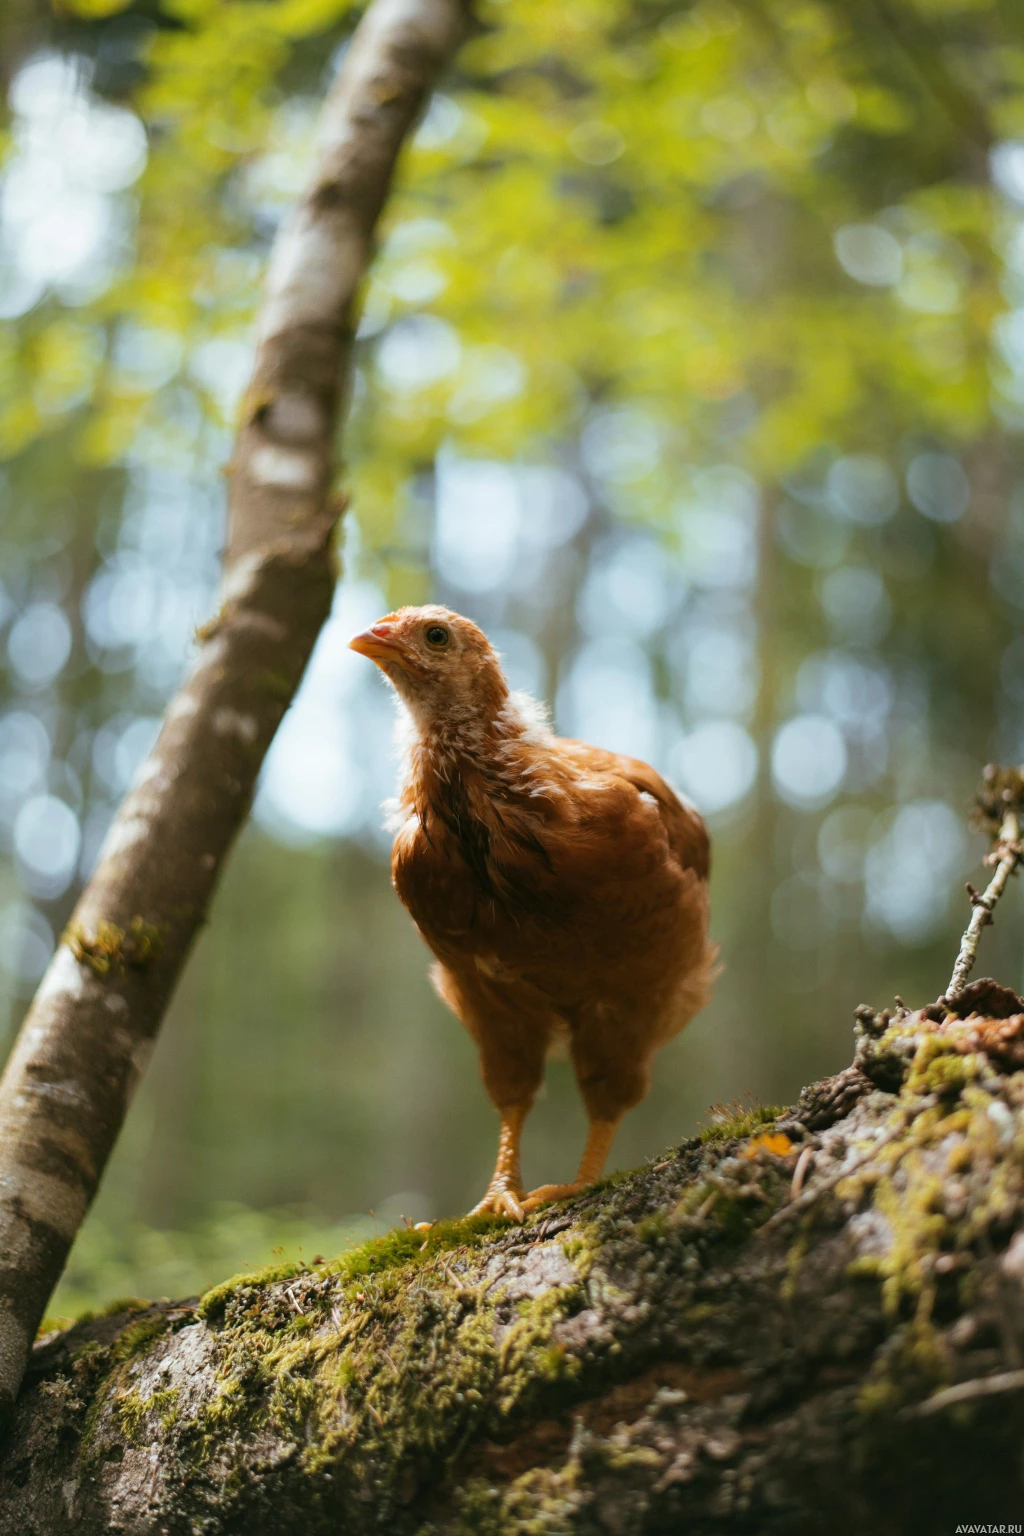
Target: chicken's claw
546	1192
500	1200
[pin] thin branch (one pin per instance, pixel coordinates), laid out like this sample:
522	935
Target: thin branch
966	1392
1006	855
803	1163
86	1038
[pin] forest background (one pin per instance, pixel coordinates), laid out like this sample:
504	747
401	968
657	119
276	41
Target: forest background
691	367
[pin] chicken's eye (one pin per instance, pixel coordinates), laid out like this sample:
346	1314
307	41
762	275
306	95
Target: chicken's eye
437	635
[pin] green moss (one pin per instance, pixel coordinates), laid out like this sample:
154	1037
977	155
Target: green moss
113	951
277	684
701	1313
89	1354
551	1362
206	631
939	1068
55	1322
867	1266
133	1411
733	1216
134	1339
353	1378
212	1302
941	1185
402	1250
403	1247
742	1123
105	1370
654	1229
698	1195
880	1396
911	1364
119	1304
910	1190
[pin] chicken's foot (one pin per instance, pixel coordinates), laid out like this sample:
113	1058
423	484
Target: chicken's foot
595	1153
505	1191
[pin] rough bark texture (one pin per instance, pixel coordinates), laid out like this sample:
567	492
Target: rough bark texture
651	1358
85	1039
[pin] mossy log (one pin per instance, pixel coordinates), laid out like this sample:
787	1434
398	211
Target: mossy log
687	1347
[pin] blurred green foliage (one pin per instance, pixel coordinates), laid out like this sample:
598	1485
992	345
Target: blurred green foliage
133	1259
742	278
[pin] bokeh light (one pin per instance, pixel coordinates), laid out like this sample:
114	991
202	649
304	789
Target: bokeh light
869	253
808	761
716	765
911	867
47	840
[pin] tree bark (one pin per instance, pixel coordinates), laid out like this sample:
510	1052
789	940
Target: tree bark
688	1348
85	1039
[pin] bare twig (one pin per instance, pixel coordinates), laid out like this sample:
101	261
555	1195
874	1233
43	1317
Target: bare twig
1006	856
816	1191
704	1209
967	1392
803	1162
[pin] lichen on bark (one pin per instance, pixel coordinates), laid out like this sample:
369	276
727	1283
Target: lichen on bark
677	1349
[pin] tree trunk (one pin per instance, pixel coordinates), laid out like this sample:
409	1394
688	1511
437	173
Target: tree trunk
85	1040
690	1347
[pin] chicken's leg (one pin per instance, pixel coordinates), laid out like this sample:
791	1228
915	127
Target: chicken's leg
599	1140
505	1191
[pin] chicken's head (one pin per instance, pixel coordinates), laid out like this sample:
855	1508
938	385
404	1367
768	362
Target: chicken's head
442	666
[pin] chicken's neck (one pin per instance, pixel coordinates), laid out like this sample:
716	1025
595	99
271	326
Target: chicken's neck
482	791
475	760
456	750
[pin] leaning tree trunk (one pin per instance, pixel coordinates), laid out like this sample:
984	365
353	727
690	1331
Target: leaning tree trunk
806	1325
87	1035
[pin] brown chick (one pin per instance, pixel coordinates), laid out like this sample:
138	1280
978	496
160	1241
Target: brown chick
562	888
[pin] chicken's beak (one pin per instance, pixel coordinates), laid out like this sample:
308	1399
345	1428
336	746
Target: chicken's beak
378	642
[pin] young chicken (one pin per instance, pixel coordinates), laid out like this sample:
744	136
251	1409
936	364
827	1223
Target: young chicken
562	888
